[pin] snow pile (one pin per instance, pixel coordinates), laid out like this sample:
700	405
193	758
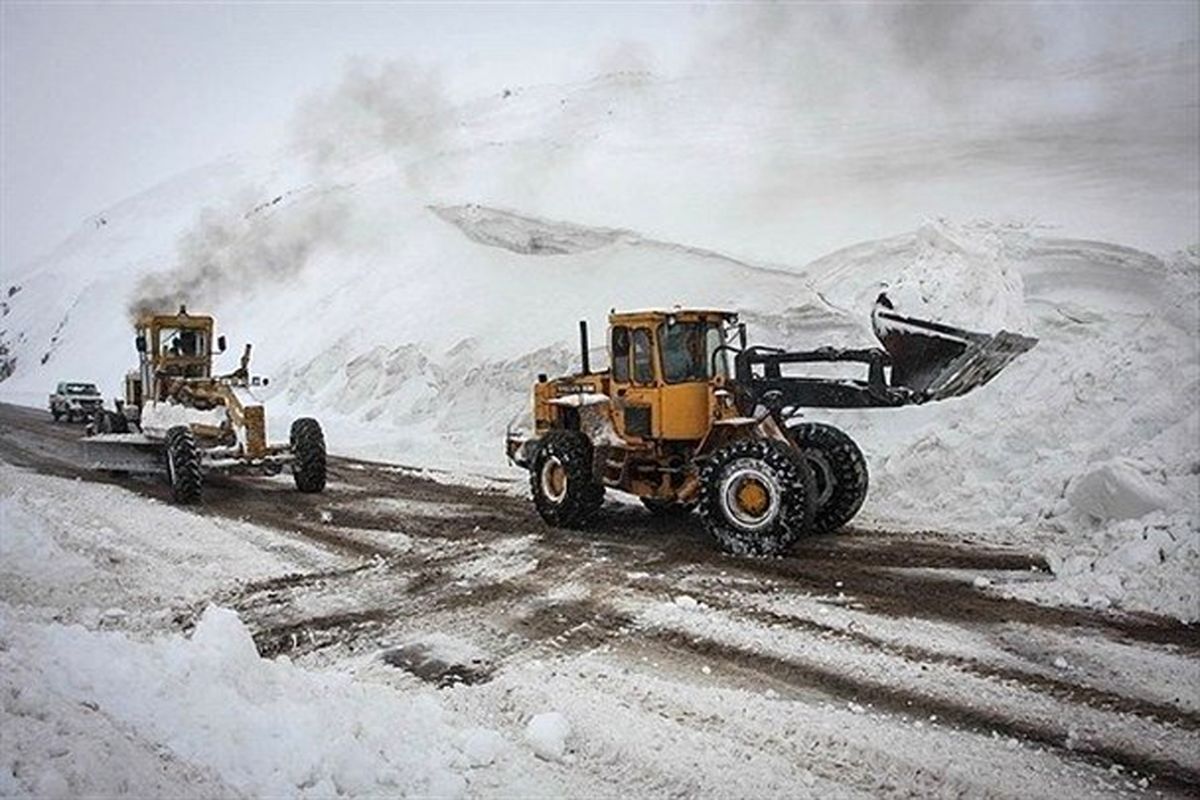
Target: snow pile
1099	423
1146	563
268	728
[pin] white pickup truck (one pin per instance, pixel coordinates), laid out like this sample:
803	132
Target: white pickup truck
75	401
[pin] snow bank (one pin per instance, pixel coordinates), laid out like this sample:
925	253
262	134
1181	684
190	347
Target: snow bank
1099	423
77	549
268	728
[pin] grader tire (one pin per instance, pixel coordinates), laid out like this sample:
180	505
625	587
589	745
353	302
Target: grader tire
183	465
756	497
564	491
839	469
308	454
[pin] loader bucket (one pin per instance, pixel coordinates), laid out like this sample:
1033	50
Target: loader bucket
937	361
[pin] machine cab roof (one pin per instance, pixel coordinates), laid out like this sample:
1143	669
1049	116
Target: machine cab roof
654	316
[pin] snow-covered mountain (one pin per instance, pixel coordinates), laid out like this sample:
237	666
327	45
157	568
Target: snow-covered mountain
406	267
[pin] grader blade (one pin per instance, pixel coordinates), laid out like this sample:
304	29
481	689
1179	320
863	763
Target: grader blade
123	452
937	361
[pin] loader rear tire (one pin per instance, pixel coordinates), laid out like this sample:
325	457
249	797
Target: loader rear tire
308	454
183	465
840	471
54	412
756	497
564	491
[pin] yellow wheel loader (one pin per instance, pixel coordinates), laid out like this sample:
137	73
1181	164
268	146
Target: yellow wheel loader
689	416
179	420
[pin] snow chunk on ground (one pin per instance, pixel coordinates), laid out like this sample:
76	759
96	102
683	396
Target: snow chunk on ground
547	735
1116	489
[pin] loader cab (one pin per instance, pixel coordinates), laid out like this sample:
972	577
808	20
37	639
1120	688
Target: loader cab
666	366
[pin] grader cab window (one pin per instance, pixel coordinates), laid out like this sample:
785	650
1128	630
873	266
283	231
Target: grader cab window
182	343
643	357
688	350
620	354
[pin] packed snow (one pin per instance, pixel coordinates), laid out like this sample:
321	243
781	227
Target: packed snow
133	705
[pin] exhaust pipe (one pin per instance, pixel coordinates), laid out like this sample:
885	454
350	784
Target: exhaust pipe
583	347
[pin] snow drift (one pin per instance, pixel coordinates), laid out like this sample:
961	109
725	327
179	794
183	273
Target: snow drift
267	728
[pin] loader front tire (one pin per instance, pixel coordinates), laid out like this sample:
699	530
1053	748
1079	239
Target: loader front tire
756	497
840	471
564	491
308	455
183	465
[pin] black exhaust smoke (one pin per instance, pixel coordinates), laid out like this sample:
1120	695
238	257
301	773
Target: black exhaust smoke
583	347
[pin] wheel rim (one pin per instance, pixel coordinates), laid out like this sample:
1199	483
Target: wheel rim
750	497
822	474
171	467
554	479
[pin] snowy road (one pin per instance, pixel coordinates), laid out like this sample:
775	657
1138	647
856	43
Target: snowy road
869	662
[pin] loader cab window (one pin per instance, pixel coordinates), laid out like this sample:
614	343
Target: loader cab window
182	343
643	357
688	350
620	355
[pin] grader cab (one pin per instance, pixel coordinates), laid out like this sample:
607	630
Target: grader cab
689	416
179	419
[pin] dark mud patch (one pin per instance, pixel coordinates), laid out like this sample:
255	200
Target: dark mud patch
317	633
574	624
425	663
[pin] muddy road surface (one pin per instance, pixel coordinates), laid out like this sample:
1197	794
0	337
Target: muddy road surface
893	624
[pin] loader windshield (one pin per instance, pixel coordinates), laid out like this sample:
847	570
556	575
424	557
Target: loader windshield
688	349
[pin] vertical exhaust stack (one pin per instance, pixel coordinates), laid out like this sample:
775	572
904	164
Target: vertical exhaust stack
583	347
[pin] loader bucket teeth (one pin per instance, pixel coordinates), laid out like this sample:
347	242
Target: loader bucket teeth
937	361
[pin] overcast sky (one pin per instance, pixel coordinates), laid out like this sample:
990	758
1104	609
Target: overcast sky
101	101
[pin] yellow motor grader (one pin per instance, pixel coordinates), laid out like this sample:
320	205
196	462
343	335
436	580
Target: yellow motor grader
179	419
689	416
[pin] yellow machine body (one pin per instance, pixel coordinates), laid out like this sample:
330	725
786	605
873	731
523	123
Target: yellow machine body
176	354
662	401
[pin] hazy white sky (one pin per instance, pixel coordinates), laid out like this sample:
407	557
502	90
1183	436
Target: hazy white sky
102	100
